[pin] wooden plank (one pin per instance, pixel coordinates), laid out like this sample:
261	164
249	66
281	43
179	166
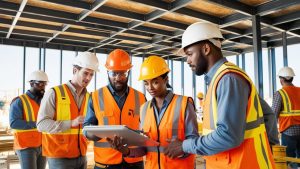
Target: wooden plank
288	10
129	6
209	8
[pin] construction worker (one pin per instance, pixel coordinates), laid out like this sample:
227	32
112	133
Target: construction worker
286	105
115	104
200	97
166	117
61	116
234	134
22	118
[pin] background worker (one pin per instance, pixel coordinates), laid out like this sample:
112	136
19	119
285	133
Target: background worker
61	116
22	119
200	97
166	117
234	133
286	105
115	104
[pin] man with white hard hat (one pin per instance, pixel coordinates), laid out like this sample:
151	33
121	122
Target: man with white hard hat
62	113
22	119
286	105
234	133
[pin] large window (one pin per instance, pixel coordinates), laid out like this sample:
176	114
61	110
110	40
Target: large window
231	59
293	62
32	63
249	65
266	81
188	81
53	67
102	79
177	88
279	64
135	73
11	68
67	64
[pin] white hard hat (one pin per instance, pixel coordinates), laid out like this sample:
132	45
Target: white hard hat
38	76
200	31
286	72
87	60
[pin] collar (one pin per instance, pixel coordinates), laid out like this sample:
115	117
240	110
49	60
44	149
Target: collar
210	74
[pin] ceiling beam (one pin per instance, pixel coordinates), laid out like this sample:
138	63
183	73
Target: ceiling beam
22	6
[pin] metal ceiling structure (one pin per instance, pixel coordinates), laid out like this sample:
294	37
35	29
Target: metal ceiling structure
145	27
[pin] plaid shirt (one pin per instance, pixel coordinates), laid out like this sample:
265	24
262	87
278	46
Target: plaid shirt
277	108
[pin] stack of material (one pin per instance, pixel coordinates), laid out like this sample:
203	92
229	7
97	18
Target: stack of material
6	145
199	162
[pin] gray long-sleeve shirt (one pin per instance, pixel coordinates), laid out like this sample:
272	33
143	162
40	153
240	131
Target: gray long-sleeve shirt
45	121
232	98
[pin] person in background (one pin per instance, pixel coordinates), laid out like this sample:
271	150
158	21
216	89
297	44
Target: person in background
61	115
286	105
22	119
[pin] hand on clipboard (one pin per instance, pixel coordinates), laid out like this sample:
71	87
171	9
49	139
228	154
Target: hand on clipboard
129	136
117	143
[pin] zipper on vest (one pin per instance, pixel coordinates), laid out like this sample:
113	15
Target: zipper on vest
158	152
78	136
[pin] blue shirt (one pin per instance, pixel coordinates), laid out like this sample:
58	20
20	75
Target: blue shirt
232	98
16	119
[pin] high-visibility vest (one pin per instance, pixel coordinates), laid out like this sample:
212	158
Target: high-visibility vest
108	112
29	137
171	126
254	151
70	143
290	115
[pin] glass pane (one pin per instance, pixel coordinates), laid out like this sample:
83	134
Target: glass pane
67	64
53	67
135	73
293	62
32	63
231	59
177	77
11	65
249	65
266	81
188	81
102	79
279	64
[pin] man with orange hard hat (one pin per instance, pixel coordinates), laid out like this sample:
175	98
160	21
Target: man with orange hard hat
115	104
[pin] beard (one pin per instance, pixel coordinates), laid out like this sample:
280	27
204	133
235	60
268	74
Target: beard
39	93
119	88
201	65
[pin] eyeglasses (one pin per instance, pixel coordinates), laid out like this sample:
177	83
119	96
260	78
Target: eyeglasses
120	74
40	83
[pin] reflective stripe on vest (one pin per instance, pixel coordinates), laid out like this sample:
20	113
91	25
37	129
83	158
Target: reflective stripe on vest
170	127
290	113
29	137
287	110
69	143
108	112
255	128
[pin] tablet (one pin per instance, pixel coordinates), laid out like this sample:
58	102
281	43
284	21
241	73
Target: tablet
131	137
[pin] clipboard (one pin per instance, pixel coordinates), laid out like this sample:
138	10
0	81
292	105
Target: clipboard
131	137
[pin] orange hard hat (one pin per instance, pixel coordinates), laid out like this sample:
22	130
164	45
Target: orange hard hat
118	59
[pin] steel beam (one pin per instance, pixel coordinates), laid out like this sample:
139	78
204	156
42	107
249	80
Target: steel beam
284	49
272	71
24	67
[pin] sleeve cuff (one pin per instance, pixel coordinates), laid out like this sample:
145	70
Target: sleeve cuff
187	146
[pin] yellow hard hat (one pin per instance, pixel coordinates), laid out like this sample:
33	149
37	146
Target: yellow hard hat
200	95
153	67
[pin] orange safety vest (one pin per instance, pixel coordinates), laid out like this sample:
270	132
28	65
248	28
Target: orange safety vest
108	113
254	151
70	143
290	115
171	126
29	137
